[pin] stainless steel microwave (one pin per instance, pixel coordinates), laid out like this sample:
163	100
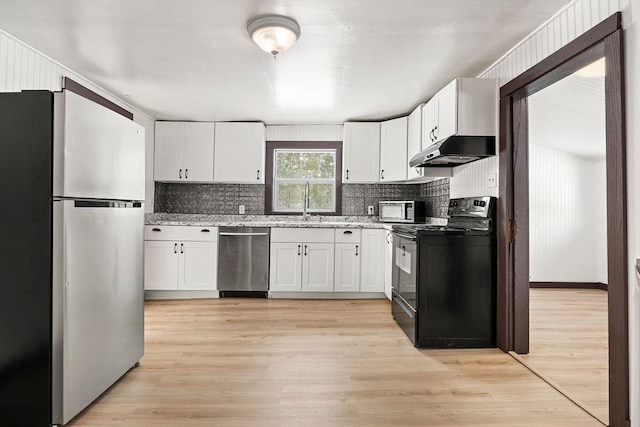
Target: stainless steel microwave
401	211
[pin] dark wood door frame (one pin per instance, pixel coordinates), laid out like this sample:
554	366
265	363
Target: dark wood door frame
605	39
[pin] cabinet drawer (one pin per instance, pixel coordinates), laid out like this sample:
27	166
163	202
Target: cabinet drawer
347	235
181	233
289	235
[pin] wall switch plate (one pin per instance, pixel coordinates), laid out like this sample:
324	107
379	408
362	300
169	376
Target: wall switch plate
370	210
241	209
492	180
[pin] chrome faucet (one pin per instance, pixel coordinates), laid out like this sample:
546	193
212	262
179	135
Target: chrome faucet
305	203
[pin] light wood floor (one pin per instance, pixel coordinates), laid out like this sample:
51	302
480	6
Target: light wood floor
232	362
569	343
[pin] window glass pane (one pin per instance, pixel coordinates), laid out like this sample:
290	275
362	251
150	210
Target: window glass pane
304	164
321	196
289	196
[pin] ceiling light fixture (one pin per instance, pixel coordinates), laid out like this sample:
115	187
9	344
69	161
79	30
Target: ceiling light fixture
274	33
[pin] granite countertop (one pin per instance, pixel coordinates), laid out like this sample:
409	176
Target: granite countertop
294	221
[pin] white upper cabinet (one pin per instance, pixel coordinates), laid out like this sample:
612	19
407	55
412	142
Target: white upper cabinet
239	153
361	153
414	140
393	150
429	121
466	106
184	151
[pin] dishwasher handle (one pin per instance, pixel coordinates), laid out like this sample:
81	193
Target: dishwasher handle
226	233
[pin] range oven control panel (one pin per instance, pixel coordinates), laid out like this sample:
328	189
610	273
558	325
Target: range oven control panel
480	207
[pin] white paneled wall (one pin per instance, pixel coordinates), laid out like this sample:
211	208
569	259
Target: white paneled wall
471	180
563	223
304	133
22	68
570	22
601	221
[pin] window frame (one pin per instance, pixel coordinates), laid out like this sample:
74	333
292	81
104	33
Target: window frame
302	145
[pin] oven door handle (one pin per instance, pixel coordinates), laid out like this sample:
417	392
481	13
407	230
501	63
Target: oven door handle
405	236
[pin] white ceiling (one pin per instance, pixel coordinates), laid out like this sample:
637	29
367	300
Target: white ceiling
355	60
570	115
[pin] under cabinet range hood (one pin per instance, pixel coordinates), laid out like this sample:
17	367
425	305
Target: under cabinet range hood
454	151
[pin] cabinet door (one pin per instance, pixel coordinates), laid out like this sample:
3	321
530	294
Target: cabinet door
414	140
317	267
393	150
447	112
429	122
198	151
373	260
347	274
239	153
198	266
161	265
285	267
361	153
168	151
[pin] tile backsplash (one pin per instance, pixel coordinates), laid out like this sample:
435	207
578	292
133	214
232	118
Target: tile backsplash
357	197
213	199
224	199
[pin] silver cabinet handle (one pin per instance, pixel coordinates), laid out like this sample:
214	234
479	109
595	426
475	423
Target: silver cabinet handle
181	248
435	133
305	250
382	174
180	173
347	177
347	232
186	176
356	250
175	248
258	174
224	233
299	250
156	229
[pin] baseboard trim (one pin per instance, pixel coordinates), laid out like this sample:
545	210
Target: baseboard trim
569	285
152	295
326	295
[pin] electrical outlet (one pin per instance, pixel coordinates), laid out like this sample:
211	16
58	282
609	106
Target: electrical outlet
241	209
370	210
492	180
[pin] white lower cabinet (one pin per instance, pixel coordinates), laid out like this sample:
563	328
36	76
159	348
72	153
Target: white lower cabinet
373	260
347	277
302	259
285	271
317	267
180	258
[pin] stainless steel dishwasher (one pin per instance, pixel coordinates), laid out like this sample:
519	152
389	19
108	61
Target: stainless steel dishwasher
243	262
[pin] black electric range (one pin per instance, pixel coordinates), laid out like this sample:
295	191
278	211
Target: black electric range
444	277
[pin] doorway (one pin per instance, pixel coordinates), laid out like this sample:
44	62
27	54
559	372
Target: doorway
568	319
604	40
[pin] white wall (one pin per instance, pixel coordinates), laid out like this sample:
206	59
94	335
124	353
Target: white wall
566	25
22	67
601	221
564	228
304	132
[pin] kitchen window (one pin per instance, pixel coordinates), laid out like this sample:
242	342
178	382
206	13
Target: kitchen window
293	166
